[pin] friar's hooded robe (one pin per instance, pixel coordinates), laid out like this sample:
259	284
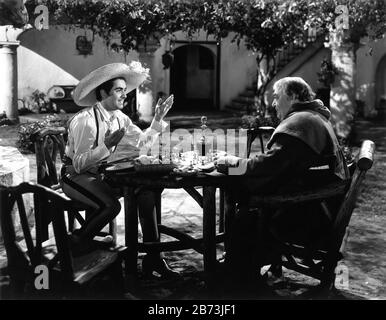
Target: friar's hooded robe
303	140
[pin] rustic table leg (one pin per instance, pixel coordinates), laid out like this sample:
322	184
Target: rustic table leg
222	211
209	229
230	211
131	231
113	231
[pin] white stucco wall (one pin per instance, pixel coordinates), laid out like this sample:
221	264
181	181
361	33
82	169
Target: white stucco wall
36	72
369	57
307	70
238	70
49	57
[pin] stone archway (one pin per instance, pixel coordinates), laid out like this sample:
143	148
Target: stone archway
193	78
380	85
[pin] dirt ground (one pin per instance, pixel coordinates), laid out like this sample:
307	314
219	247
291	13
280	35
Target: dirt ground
365	254
364	257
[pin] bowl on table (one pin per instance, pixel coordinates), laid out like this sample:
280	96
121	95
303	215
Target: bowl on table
152	165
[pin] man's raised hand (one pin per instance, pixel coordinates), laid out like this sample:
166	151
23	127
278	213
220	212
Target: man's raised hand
162	108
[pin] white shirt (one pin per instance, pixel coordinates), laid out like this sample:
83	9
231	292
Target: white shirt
82	147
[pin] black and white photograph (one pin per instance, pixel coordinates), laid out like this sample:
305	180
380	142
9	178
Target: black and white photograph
191	155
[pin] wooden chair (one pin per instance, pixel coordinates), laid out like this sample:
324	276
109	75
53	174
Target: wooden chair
68	275
48	143
258	132
320	259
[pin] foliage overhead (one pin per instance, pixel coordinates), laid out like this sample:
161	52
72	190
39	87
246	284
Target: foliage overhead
13	13
265	25
366	18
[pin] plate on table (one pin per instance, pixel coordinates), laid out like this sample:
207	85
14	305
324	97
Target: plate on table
122	166
186	170
189	172
154	168
208	167
219	153
152	165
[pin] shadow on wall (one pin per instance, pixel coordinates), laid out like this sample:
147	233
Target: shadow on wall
380	86
343	95
59	47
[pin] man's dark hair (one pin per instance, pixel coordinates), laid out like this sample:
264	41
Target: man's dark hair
106	86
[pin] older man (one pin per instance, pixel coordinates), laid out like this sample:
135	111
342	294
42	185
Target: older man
93	136
304	139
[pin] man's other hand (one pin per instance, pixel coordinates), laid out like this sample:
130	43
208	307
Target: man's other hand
113	139
224	162
229	161
231	165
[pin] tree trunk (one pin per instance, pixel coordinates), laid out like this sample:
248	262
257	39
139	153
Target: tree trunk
259	82
265	73
342	95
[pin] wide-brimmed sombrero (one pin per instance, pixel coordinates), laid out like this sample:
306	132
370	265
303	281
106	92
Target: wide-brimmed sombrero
134	74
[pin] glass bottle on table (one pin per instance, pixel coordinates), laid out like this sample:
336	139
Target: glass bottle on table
203	145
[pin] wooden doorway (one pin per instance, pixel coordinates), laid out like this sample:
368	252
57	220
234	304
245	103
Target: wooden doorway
193	78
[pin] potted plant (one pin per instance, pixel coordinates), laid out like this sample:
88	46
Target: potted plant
37	102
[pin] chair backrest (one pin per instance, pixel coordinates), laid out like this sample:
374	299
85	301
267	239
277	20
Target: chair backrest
258	132
48	142
48	206
364	162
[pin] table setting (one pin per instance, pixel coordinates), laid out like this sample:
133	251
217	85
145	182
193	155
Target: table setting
185	164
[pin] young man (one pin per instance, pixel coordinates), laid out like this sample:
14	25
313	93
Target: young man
93	136
304	139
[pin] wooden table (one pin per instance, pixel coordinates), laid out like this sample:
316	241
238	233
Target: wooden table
131	181
14	169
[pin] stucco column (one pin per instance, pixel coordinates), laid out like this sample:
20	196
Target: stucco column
147	92
8	79
342	96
